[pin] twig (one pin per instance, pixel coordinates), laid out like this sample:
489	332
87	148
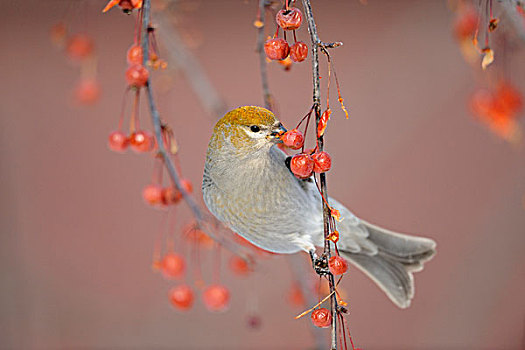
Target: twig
268	100
199	216
312	29
194	73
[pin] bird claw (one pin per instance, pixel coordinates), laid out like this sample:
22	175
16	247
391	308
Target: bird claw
320	264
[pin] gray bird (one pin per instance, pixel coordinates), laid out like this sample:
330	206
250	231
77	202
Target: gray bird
248	187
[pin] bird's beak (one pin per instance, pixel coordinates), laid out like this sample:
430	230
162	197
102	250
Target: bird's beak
277	131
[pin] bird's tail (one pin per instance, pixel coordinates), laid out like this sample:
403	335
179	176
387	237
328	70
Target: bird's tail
398	256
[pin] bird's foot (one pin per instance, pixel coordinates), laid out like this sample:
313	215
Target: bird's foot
320	264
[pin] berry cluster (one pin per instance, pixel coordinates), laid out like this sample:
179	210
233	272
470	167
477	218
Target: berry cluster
80	49
156	195
304	164
289	19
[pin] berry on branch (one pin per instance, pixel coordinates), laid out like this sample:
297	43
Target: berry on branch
118	142
134	55
276	49
289	19
299	51
137	75
216	297
302	165
338	265
181	297
141	141
322	162
293	139
152	194
321	318
173	266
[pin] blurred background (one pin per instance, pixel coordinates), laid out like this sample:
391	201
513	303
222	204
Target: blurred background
77	239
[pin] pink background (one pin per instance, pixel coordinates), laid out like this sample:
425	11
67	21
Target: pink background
77	239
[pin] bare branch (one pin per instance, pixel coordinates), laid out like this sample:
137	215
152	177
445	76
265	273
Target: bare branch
189	64
316	42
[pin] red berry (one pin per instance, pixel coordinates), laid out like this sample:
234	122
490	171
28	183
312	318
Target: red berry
172	196
302	165
152	194
87	92
118	142
299	51
239	266
134	55
141	141
173	265
338	265
321	318
289	19
322	162
181	297
79	46
216	297
293	139
276	49
137	75
466	23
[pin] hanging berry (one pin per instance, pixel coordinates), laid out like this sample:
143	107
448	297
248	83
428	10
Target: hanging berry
289	19
293	139
181	297
118	141
322	162
216	297
79	47
321	318
302	165
299	51
137	75
134	55
152	194
276	49
173	265
141	141
338	265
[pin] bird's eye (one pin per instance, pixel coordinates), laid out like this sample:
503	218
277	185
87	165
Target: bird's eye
255	128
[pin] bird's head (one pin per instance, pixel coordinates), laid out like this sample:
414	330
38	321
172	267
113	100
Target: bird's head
247	129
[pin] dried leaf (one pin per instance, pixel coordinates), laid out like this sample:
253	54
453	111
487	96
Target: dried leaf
323	122
493	24
488	58
110	5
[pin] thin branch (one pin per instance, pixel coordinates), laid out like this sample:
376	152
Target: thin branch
268	100
312	29
193	71
199	216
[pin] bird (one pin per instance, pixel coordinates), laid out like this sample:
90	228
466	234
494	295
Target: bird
248	187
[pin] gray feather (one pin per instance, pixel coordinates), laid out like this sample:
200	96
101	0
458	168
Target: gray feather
398	256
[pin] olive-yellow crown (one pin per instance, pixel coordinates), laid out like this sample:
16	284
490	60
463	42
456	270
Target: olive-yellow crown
234	128
247	116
